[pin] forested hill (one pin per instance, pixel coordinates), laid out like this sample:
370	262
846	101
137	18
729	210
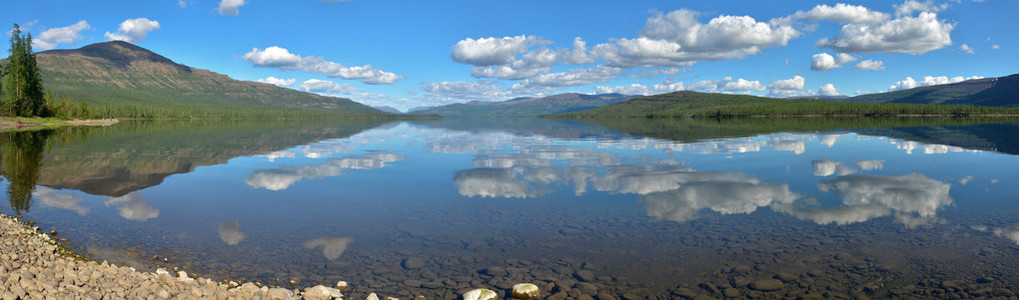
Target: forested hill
997	91
709	105
130	81
559	103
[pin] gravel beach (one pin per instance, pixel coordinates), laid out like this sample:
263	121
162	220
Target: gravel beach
35	266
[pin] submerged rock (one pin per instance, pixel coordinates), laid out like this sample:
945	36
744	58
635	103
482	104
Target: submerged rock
480	294
525	291
767	285
412	263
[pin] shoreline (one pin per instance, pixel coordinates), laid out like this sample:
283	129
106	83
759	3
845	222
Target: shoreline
33	265
20	124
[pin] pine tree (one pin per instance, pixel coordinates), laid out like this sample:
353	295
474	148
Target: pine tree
23	79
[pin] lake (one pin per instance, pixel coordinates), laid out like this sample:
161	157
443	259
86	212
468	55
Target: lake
808	208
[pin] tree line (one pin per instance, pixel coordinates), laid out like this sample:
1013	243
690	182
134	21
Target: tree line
21	89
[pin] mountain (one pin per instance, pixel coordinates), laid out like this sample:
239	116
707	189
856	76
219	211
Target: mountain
690	104
129	77
998	91
388	109
561	103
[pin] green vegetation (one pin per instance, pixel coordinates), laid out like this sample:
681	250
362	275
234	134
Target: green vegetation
120	80
560	103
687	104
23	93
1000	91
692	130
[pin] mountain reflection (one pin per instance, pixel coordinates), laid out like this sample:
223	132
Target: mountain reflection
283	178
913	198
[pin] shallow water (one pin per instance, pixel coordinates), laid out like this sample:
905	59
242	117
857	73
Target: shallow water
437	207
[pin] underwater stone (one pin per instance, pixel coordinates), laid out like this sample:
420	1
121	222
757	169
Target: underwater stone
525	291
480	294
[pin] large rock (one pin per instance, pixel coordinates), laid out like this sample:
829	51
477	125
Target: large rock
584	275
412	263
525	291
480	294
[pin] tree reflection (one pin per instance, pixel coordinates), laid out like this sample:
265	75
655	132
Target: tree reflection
22	159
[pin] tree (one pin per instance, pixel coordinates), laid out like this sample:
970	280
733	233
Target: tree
23	79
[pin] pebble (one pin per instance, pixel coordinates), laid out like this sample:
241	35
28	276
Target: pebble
584	275
767	285
525	291
412	263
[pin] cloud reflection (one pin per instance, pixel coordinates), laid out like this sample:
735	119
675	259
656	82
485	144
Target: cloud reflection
230	232
913	198
133	207
824	168
725	193
489	182
283	178
52	198
332	246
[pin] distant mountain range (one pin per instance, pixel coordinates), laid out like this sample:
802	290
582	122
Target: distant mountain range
120	73
997	91
561	103
388	109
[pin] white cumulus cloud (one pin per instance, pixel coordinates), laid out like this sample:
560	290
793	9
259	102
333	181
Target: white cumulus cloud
492	51
909	82
828	90
841	13
52	37
910	35
640	89
481	90
870	65
786	87
573	77
281	58
911	6
230	7
727	85
967	49
824	61
679	39
133	30
327	87
280	82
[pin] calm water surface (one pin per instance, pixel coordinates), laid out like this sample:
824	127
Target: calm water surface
438	207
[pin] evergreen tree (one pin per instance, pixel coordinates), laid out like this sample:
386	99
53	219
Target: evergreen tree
23	79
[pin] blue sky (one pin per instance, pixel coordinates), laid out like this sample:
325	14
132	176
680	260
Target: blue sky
424	53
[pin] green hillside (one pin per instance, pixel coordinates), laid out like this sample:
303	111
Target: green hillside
998	91
118	79
688	104
560	103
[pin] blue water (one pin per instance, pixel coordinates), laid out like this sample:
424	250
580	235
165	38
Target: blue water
844	212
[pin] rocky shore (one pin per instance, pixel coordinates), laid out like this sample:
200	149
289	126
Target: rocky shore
34	266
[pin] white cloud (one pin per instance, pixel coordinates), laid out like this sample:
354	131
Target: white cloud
910	6
640	89
995	47
49	39
490	182
786	87
278	81
841	13
282	178
679	39
870	165
824	61
825	167
828	90
327	87
727	85
911	35
497	57
482	90
182	3
869	65
967	49
133	30
230	7
573	77
281	58
492	51
909	82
